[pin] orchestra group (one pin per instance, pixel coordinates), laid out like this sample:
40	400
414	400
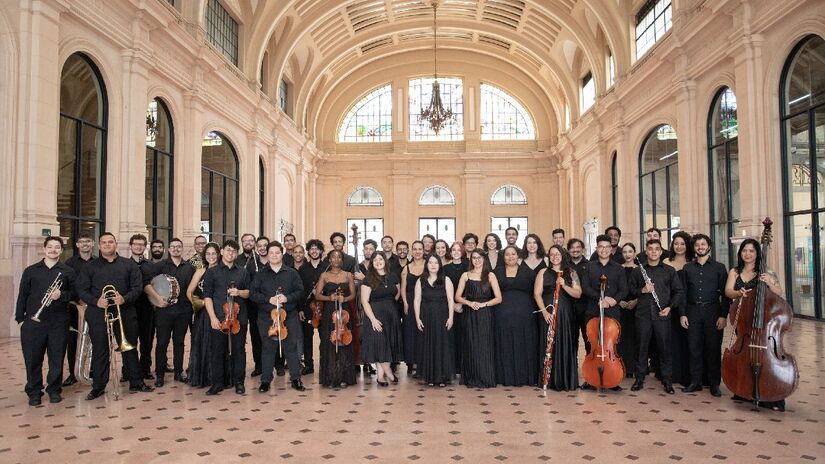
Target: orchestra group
479	313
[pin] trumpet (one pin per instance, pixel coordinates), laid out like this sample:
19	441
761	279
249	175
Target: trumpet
47	298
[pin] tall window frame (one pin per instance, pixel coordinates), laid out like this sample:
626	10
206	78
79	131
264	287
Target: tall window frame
723	173
452	97
443	228
503	117
222	30
802	127
369	120
500	224
368	228
220	189
659	201
614	186
160	171
283	96
82	131
653	20
588	92
261	196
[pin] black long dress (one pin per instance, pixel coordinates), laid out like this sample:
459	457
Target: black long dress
436	358
336	366
478	361
453	272
387	345
679	347
411	347
517	359
200	350
564	374
628	344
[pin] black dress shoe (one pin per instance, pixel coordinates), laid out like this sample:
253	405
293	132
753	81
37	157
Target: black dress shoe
692	388
382	384
255	372
214	390
181	378
264	387
159	381
307	370
240	389
34	401
55	398
148	376
587	386
70	380
280	372
669	388
638	385
298	385
617	388
715	391
142	388
95	393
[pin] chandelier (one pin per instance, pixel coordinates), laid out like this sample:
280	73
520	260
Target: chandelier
435	115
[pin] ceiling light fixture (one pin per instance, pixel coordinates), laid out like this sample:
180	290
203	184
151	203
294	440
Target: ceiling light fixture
436	115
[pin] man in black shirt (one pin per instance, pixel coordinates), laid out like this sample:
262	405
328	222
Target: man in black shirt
253	260
171	321
653	233
575	251
338	241
156	250
705	315
219	283
657	299
310	273
279	285
387	244
125	276
511	237
84	245
48	333
615	235
402	250
145	311
289	250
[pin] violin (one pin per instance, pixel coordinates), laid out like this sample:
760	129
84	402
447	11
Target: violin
755	365
230	325
602	367
277	331
315	307
340	335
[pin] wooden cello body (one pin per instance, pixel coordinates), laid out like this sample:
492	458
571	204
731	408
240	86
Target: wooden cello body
755	366
602	367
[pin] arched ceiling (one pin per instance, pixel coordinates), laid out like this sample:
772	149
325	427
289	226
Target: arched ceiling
317	43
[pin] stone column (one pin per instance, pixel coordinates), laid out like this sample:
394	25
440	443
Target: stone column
187	161
692	200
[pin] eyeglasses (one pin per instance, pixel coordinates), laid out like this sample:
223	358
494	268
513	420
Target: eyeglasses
604	247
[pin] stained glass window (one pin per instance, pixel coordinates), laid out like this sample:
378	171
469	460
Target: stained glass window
452	97
503	117
370	119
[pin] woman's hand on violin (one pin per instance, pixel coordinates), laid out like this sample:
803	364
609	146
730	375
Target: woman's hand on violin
215	323
684	321
277	299
419	324
376	325
449	323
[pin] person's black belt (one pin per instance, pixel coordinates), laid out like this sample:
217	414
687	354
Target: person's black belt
715	303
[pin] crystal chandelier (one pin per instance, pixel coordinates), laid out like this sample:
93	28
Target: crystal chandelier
435	115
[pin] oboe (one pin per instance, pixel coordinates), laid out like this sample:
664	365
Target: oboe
647	281
551	331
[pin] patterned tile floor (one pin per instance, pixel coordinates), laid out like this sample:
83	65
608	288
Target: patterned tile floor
408	422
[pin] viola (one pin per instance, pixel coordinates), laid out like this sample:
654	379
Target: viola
277	331
603	367
755	365
340	335
230	325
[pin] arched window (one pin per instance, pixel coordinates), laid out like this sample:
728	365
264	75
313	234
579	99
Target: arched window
503	117
81	185
365	196
659	182
614	187
261	196
802	108
723	161
452	97
436	196
160	170
370	119
219	188
508	195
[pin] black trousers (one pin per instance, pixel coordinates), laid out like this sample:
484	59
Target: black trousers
292	347
254	334
308	333
580	309
704	339
39	339
170	324
100	346
71	338
660	331
146	333
219	344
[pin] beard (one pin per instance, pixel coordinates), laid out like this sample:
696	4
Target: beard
702	255
157	254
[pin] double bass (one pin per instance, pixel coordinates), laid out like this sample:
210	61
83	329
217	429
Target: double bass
755	366
602	367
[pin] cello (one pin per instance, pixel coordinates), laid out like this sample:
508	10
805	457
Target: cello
755	366
277	331
602	367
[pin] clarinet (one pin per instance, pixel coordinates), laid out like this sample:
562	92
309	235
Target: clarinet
551	331
647	281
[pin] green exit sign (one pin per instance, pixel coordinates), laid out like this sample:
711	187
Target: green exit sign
46	232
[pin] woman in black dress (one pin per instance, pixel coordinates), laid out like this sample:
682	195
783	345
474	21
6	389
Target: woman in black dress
336	362
564	373
409	276
382	343
532	253
453	271
517	358
628	346
434	318
742	279
681	253
492	246
199	352
478	291
442	250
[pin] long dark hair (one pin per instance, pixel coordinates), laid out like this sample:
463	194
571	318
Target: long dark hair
540	251
740	263
498	242
439	274
374	279
564	265
689	253
215	247
485	267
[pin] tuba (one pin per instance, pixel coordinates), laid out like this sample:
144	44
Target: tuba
83	361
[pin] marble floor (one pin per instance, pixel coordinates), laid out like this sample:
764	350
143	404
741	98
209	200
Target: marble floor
409	422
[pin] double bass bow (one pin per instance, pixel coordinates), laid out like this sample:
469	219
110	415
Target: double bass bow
551	331
755	365
602	367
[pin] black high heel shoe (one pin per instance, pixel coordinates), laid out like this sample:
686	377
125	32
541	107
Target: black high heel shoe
382	384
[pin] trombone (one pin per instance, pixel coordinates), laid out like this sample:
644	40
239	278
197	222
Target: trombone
110	293
47	298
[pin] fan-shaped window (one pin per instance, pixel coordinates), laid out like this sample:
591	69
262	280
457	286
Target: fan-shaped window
452	97
508	195
369	120
160	170
503	117
659	181
436	195
365	196
219	188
